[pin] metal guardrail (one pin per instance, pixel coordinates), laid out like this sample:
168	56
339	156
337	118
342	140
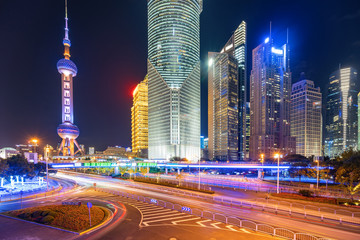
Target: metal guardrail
230	220
248	184
269	205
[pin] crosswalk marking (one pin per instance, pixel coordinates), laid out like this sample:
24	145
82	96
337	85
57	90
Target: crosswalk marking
185	220
159	220
160	211
167	215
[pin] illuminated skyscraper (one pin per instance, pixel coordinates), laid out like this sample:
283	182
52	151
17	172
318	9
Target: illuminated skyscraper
358	146
236	46
174	78
270	90
306	118
223	107
341	112
139	118
68	131
247	132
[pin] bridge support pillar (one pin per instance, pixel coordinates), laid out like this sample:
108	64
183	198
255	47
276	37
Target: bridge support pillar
260	173
116	170
166	171
148	169
178	170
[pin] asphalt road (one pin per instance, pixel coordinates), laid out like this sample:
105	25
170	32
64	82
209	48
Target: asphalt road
332	231
132	220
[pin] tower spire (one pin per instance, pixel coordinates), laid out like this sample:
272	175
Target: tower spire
66	40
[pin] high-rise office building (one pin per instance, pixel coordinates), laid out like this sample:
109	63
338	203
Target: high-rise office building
306	118
67	130
270	90
236	46
174	78
358	146
223	107
247	131
91	150
341	119
139	118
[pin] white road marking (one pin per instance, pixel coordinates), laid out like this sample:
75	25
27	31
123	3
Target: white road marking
231	228
166	215
185	220
244	230
215	225
200	222
159	220
161	211
150	210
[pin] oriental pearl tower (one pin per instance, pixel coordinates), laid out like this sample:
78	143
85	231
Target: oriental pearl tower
67	130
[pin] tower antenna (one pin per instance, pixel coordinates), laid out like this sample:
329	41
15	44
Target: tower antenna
287	35
66	22
270	29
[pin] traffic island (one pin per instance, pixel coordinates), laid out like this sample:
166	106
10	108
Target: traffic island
73	218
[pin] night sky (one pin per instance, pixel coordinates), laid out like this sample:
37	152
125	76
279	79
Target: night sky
109	47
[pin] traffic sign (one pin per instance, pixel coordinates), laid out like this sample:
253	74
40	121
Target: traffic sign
89	204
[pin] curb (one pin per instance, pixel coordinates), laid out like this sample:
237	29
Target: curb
111	216
64	230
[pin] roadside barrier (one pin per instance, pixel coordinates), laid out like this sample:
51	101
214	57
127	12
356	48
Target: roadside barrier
230	220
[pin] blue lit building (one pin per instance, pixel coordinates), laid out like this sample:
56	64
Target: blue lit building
270	90
341	120
174	78
67	130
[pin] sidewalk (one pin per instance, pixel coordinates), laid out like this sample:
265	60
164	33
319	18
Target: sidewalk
12	229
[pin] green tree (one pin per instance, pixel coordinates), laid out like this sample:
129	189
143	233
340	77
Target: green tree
348	174
298	169
4	167
19	166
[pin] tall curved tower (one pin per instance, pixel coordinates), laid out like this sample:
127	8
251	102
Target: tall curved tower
174	78
67	130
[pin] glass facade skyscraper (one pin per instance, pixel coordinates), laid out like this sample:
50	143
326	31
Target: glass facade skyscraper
236	46
341	112
174	78
223	107
270	90
306	118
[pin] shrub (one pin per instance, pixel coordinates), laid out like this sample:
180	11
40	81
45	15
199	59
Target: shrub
25	215
44	213
306	193
36	214
47	219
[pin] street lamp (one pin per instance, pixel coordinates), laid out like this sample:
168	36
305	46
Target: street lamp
47	169
262	159
35	141
199	175
278	172
317	174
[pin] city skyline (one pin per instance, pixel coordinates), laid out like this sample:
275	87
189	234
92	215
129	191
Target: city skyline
23	120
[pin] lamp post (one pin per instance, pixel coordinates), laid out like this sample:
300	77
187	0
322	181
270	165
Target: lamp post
199	176
317	174
35	141
262	159
278	172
